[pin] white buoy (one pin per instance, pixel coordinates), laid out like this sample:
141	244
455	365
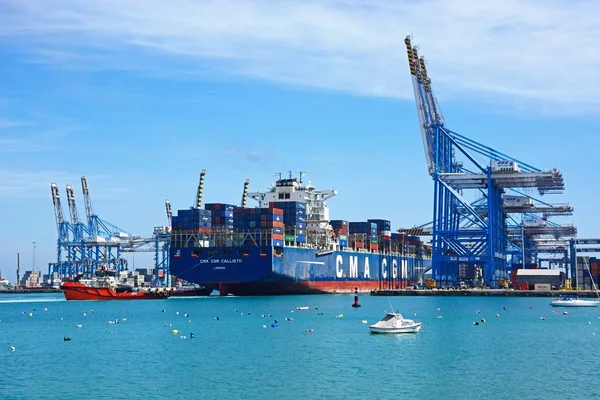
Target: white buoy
12	348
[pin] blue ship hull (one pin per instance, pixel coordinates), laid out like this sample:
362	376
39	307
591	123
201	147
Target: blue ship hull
294	270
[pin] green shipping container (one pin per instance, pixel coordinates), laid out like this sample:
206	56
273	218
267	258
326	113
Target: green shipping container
374	241
343	237
290	238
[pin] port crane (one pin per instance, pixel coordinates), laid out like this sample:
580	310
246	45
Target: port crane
86	247
465	232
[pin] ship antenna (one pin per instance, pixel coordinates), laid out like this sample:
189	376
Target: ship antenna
302	173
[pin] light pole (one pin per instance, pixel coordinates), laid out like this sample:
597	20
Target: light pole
33	267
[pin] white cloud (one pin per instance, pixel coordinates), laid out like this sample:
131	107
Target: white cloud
533	55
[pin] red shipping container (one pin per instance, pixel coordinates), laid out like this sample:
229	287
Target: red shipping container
277	236
359	245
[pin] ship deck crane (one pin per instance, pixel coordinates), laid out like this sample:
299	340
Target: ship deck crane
245	193
200	189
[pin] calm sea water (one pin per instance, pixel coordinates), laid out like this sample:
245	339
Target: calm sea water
513	356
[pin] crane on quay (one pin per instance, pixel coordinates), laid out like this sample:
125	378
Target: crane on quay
85	248
483	233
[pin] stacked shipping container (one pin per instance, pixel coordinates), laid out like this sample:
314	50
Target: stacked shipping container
341	229
269	220
221	214
366	229
294	218
192	220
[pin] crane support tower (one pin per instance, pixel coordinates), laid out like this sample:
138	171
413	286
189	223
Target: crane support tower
464	233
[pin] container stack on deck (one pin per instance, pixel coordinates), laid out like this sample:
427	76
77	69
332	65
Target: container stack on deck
193	221
384	232
221	214
363	235
294	218
258	226
340	227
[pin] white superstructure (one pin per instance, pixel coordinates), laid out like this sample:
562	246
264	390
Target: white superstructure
293	189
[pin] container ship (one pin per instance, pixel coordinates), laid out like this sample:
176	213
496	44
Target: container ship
288	245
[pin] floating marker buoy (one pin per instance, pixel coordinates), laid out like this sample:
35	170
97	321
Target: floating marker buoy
264	326
216	318
45	308
176	312
79	325
31	314
174	331
589	322
186	315
364	321
12	348
504	308
340	316
355	304
497	315
478	311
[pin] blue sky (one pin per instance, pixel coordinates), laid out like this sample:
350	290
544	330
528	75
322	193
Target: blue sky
139	96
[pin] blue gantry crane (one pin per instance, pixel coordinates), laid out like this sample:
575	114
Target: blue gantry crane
86	248
466	232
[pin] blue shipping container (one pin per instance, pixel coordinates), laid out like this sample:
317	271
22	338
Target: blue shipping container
343	243
301	239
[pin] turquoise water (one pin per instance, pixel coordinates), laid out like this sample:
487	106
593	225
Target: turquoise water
514	356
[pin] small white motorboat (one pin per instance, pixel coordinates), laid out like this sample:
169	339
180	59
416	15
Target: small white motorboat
394	322
573	301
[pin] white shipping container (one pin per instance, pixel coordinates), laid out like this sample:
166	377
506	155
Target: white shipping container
542	286
534	222
517	201
507	166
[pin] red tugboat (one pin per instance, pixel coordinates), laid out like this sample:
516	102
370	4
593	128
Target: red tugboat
106	289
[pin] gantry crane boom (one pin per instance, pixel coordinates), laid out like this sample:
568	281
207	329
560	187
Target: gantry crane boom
72	207
58	212
169	213
89	212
